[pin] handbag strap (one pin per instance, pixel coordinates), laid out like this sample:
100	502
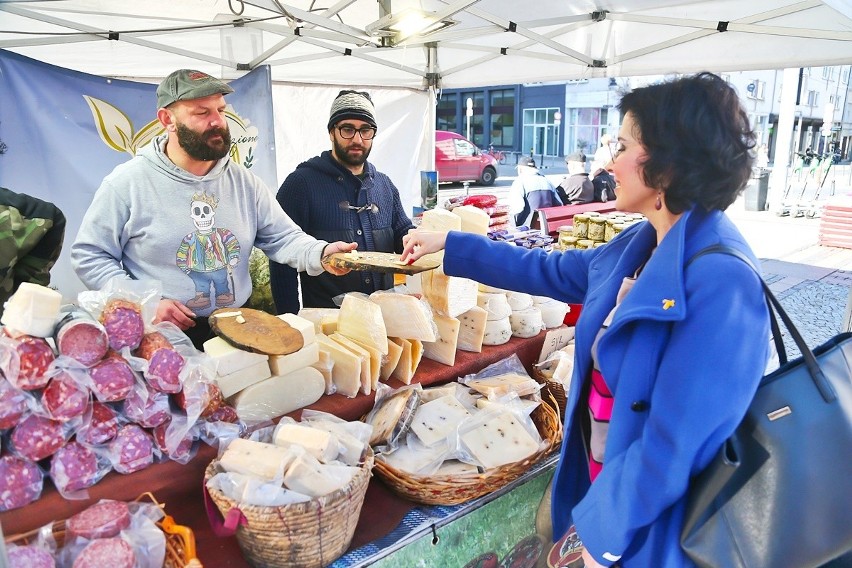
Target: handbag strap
814	370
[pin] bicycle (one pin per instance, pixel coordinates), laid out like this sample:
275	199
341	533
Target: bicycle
496	154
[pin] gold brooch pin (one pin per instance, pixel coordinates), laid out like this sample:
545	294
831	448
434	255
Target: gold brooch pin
668	304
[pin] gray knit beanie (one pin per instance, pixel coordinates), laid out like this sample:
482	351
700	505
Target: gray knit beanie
352	104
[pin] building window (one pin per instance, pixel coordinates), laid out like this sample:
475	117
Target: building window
502	118
755	89
447	112
540	134
813	98
584	129
828	73
844	75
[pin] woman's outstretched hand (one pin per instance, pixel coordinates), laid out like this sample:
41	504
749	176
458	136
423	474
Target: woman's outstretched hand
419	242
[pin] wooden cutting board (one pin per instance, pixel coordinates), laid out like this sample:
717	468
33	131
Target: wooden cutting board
256	331
378	262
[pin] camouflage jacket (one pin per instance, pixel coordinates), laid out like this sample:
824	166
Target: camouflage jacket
31	235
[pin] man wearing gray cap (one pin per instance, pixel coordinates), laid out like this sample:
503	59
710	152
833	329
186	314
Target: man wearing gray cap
576	187
181	212
340	195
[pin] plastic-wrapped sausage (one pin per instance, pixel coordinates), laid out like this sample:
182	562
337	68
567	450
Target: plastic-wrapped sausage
147	407
132	449
100	425
123	322
21	482
65	397
201	396
164	363
75	467
13	405
37	437
183	452
79	336
35	358
104	519
30	556
113	552
112	379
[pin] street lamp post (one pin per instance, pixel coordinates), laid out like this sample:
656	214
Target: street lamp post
557	120
469	114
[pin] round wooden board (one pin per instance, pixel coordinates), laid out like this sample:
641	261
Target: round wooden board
378	262
260	333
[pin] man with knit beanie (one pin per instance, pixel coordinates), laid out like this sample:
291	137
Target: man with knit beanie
340	195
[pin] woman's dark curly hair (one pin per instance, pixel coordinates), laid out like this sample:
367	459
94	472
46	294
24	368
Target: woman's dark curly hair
698	140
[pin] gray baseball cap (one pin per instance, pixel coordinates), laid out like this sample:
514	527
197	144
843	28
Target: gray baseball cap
185	84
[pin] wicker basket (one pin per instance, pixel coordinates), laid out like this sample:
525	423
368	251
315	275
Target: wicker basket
180	541
459	488
299	535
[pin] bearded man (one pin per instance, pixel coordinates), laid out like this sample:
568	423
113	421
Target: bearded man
340	195
183	213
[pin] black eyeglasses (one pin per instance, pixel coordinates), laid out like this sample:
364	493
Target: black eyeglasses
347	131
371	207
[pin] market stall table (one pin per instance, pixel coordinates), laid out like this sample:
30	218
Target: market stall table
179	486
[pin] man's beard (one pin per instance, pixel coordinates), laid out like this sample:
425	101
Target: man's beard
199	147
349	160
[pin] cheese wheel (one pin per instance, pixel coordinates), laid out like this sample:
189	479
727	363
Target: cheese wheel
497	305
526	323
497	332
553	313
519	300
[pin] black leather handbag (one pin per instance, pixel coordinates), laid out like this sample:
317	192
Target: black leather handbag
779	493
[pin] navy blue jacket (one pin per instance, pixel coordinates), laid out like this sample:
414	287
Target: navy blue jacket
313	196
682	356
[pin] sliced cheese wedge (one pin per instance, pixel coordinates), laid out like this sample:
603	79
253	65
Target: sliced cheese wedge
362	319
439	220
346	372
325	365
316	316
435	421
375	362
366	372
279	395
472	329
405	316
391	361
473	219
238	380
443	350
498	440
404	370
448	295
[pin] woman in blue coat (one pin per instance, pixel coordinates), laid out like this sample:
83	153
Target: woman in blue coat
668	353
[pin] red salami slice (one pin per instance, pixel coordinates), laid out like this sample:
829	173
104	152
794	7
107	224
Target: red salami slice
20	482
123	322
148	408
30	557
112	552
80	337
104	519
100	427
13	405
132	449
184	448
64	397
36	356
164	363
112	379
224	413
74	467
37	437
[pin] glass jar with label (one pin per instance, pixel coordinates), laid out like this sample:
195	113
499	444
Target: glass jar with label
583	244
597	229
580	226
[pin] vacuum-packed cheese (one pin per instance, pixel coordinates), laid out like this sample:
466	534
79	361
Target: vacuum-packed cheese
266	461
319	443
405	316
346	372
499	440
362	319
435	421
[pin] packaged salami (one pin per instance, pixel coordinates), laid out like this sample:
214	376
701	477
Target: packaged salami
78	335
14	403
75	467
99	425
25	360
37	437
21	482
112	379
132	449
164	362
66	395
124	307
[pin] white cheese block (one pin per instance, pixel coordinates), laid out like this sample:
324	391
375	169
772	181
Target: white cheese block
279	395
440	220
376	359
309	477
346	372
405	316
33	310
434	393
325	365
228	358
497	332
304	326
235	382
448	295
496	304
443	350
362	319
363	355
473	219
304	357
472	329
258	459
420	460
553	313
499	440
391	361
526	405
501	385
316	316
435	421
351	450
456	467
319	443
526	323
519	301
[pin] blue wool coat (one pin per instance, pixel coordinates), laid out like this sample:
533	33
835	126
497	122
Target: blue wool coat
683	357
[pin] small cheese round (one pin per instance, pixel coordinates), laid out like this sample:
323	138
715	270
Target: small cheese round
526	323
497	332
497	305
519	301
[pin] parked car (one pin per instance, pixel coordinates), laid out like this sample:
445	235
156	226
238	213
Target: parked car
458	159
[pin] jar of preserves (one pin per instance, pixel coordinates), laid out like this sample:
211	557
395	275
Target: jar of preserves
583	244
580	227
597	229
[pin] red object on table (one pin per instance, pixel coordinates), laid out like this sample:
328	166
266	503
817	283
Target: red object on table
179	487
573	314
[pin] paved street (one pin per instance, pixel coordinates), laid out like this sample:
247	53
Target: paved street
811	281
